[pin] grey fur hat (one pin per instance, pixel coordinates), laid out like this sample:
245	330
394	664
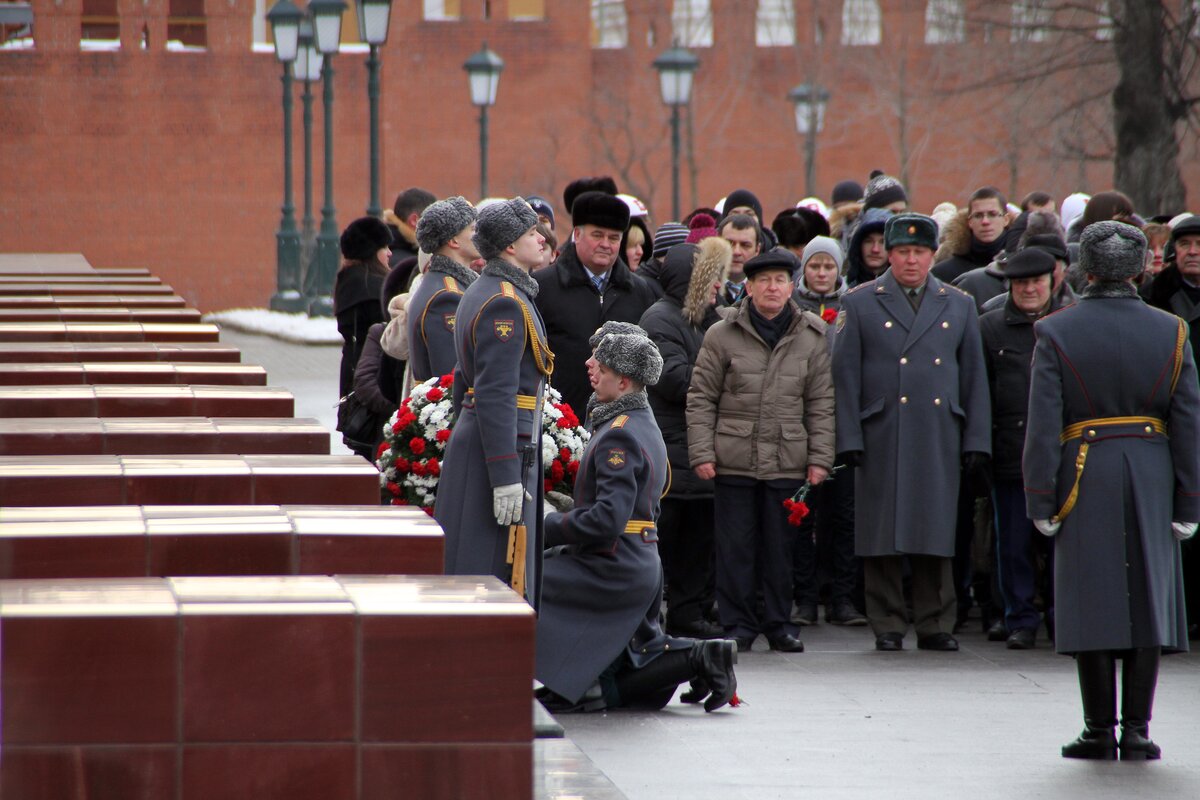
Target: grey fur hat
441	221
1112	251
500	224
614	326
632	355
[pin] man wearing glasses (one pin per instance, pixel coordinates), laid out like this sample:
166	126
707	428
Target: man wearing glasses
975	236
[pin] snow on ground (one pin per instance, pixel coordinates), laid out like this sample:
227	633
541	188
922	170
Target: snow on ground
298	328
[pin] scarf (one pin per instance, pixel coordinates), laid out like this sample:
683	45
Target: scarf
771	330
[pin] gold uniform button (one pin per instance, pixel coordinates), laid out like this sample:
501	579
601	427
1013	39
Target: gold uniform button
1149	429
937	362
1091	433
887	324
945	324
905	361
904	399
937	401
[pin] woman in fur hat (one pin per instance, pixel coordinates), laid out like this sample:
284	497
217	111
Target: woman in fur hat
691	276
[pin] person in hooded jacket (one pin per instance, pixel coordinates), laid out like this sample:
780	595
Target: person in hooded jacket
691	276
867	257
366	247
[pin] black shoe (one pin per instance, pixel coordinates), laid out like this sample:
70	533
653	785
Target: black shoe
744	643
1135	744
804	614
712	663
696	692
1023	639
943	642
697	629
785	643
997	632
889	642
844	613
1098	744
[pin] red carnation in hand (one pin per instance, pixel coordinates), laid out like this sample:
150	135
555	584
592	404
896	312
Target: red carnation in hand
435	394
443	435
797	511
417	445
829	314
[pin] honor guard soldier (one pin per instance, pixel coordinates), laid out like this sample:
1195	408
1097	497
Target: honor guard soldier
444	231
490	492
913	415
599	642
1112	471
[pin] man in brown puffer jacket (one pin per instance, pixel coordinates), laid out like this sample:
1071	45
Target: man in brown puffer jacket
760	417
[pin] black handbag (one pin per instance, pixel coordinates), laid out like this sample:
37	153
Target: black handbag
361	428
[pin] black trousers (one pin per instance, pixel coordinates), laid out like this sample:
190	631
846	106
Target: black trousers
833	515
752	531
1018	546
685	544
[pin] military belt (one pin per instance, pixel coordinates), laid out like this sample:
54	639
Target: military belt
1091	429
526	401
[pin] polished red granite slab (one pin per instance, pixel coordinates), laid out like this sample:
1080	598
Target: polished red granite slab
84	301
214	373
83	480
43	286
258	687
58	352
134	400
107	332
99	314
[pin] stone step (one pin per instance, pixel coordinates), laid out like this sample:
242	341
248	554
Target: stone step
137	400
214	373
59	352
129	436
107	332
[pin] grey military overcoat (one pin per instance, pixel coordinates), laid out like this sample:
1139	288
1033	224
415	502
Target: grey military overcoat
602	592
498	384
1106	358
912	396
432	311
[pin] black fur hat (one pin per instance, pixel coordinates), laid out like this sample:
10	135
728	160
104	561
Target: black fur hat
580	185
363	238
600	209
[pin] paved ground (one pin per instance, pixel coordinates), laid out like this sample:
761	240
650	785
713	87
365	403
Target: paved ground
841	720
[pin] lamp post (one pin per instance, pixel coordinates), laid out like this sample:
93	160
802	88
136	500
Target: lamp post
327	32
810	100
675	68
483	73
307	69
373	19
285	18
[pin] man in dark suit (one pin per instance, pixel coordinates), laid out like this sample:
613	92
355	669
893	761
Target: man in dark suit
912	403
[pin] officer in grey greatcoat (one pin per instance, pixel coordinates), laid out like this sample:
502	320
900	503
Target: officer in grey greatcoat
599	640
490	491
444	230
912	414
1112	471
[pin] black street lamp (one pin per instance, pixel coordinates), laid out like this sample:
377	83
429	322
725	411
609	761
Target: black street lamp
307	70
483	73
285	18
373	19
810	100
327	31
675	68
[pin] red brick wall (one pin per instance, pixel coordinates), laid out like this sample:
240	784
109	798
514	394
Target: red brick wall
172	161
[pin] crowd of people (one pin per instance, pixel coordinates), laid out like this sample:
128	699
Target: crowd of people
855	406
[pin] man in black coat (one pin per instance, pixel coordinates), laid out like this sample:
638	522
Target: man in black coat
1008	350
587	286
986	221
691	275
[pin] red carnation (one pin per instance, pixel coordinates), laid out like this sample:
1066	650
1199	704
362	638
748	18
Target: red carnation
406	403
393	487
418	468
564	423
435	394
548	485
565	454
446	381
406	419
383	448
417	445
433	466
399	501
402	464
556	471
428	510
573	468
443	435
829	314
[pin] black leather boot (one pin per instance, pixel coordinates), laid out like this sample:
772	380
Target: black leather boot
1098	690
654	684
712	662
1139	675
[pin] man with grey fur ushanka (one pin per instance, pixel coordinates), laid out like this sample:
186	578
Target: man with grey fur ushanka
913	414
444	231
599	642
490	491
1112	472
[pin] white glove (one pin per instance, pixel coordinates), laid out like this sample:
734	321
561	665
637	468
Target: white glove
1046	527
506	503
1184	530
